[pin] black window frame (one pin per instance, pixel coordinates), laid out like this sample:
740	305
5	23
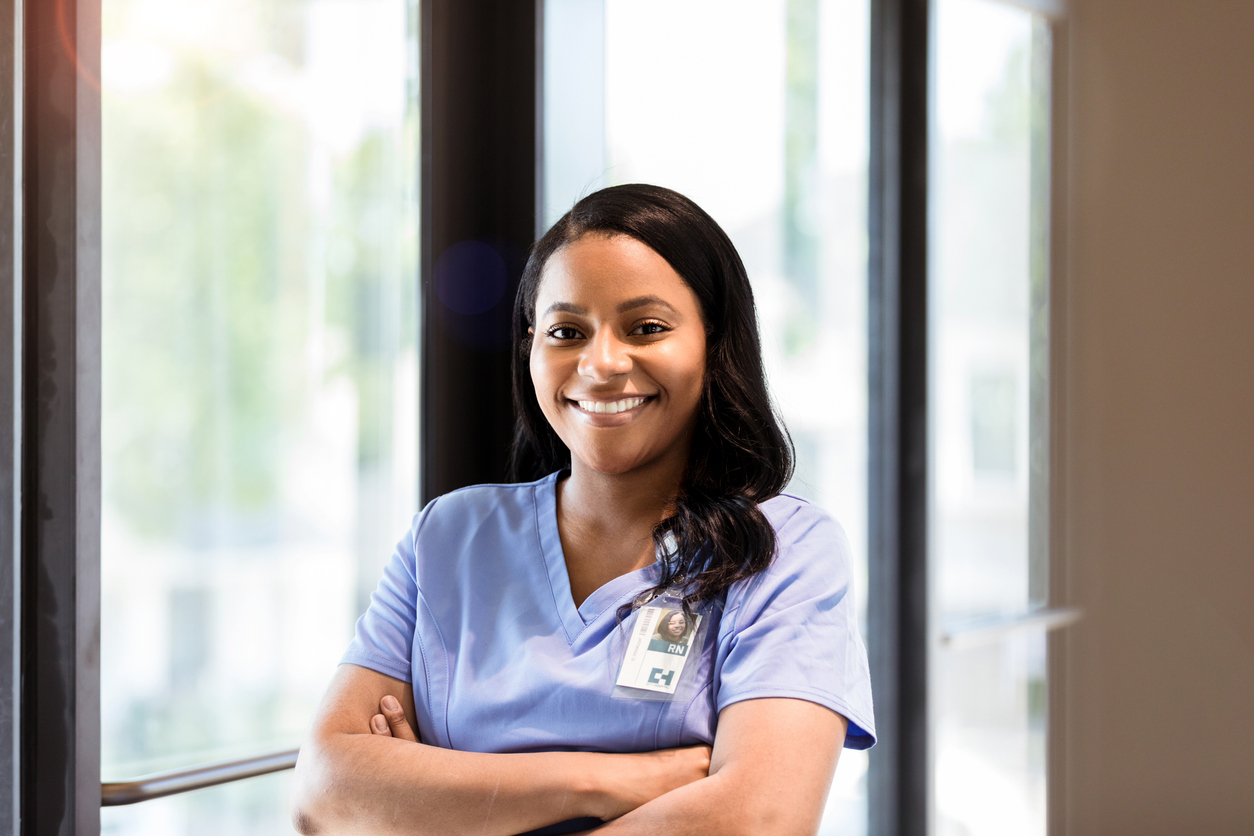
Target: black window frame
898	623
55	66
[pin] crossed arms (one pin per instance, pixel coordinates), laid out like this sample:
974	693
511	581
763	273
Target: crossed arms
768	773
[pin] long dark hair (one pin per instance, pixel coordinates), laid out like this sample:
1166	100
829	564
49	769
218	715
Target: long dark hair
741	455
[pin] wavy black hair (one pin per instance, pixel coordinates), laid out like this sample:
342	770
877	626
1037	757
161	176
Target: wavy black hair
741	454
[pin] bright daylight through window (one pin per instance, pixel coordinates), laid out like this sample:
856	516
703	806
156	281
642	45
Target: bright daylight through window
260	374
989	413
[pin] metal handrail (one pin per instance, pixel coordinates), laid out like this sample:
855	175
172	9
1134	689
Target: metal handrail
986	630
161	784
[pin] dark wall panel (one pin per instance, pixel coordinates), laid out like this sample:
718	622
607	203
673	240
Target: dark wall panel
478	215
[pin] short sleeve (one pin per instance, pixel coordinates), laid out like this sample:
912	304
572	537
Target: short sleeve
384	638
792	630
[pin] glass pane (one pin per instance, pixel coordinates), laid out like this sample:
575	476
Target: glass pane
260	372
990	739
757	110
989	405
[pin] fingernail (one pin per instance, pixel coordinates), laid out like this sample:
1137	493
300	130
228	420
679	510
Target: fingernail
390	703
380	725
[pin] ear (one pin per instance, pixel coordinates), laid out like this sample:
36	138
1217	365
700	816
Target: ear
531	332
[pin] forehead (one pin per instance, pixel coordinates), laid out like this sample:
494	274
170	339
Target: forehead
597	270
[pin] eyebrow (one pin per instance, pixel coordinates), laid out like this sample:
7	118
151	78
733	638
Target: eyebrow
629	305
566	307
645	301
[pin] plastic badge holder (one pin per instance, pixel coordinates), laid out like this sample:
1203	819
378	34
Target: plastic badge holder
658	661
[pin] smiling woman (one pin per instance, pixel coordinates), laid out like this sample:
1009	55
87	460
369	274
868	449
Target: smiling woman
640	245
617	374
504	679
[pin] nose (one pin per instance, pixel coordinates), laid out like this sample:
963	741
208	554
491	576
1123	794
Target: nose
605	357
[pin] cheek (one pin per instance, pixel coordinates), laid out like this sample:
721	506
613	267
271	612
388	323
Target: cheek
535	368
543	370
547	377
686	373
541	379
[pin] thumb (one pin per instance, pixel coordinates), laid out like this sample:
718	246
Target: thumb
391	708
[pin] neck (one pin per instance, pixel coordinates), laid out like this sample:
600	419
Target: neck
623	500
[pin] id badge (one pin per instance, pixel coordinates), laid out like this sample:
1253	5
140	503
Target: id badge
658	651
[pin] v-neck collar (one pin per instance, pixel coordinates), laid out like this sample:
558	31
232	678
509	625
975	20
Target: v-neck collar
575	619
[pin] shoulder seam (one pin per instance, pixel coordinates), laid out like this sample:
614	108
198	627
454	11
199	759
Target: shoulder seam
531	484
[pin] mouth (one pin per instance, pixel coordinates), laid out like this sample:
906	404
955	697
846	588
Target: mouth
611	407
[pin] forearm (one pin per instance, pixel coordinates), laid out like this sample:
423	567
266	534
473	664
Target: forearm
365	772
720	805
369	784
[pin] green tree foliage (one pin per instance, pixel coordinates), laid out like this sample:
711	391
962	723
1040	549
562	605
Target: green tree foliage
195	256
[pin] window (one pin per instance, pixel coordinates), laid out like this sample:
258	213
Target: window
758	112
261	324
988	412
260	375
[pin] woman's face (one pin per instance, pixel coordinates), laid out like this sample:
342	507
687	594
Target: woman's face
618	355
676	624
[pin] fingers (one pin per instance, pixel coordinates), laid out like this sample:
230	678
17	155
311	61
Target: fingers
395	716
706	753
379	725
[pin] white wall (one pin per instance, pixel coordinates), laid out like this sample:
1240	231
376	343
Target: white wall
1159	419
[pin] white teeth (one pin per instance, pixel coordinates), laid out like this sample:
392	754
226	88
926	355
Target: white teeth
610	407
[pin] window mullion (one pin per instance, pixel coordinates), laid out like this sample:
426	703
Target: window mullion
898	630
60	702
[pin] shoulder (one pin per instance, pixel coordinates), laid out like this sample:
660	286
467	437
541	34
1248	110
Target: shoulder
480	497
478	503
480	526
812	554
799	521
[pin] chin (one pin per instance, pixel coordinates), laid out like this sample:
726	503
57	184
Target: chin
608	462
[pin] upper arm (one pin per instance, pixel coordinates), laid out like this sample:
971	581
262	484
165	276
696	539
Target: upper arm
770	772
384	636
791	631
779	756
377	663
350	701
353	698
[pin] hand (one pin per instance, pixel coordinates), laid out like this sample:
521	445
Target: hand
633	780
391	722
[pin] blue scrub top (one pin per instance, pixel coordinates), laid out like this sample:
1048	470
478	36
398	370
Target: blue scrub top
475	610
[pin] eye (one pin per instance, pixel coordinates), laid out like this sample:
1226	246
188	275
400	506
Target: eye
650	329
563	332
